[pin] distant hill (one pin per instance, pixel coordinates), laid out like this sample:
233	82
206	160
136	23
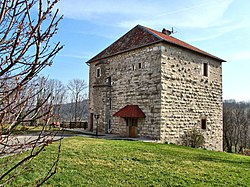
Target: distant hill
67	111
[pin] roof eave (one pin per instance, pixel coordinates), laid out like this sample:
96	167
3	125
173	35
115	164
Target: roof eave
211	56
167	41
124	51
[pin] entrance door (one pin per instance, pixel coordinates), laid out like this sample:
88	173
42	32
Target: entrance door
132	123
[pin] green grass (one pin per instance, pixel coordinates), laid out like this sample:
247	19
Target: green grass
24	130
21	129
98	162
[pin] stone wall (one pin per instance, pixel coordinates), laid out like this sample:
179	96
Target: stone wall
98	90
130	85
188	96
169	88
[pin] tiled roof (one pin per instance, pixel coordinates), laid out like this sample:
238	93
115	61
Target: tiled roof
178	42
130	111
135	38
141	36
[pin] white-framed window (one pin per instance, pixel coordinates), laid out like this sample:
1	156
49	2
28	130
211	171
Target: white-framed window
98	72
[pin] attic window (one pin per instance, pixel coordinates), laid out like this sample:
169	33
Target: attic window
205	69
98	72
203	123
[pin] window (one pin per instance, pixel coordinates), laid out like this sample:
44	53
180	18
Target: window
98	72
140	66
205	69
108	81
133	67
203	123
110	103
109	124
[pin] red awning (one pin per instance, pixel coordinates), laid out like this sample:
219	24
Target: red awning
130	111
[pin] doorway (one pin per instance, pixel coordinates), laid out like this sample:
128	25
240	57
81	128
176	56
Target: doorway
132	127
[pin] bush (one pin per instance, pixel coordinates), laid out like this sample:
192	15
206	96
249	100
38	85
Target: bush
193	138
247	152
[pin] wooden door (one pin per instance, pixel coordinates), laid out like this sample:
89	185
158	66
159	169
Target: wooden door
132	123
132	131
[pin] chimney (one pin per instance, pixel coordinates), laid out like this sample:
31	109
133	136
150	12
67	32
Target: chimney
165	31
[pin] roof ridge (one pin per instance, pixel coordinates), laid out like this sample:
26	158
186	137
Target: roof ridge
149	30
141	36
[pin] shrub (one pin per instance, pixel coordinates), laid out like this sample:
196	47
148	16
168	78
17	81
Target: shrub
247	152
193	138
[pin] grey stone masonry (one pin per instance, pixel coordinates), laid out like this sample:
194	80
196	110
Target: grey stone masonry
130	84
187	96
177	89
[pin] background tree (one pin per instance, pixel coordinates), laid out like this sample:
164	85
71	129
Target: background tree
26	31
236	121
58	91
77	94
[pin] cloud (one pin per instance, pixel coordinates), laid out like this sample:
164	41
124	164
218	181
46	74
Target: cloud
129	13
74	56
101	10
189	14
215	32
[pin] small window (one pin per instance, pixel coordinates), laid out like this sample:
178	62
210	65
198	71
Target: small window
203	123
98	72
140	66
108	81
110	103
109	124
133	67
205	69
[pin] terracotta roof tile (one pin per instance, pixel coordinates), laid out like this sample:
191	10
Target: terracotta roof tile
141	36
178	42
133	39
130	111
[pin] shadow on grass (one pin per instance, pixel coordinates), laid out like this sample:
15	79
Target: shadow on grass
243	162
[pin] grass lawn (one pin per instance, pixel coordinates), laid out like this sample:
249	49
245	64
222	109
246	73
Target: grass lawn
98	162
23	130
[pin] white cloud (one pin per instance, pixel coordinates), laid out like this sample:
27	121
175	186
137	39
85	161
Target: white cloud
129	13
74	56
218	31
189	14
99	9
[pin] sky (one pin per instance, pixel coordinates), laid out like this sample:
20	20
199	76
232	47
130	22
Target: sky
220	27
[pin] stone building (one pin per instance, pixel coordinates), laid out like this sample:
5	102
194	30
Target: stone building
150	84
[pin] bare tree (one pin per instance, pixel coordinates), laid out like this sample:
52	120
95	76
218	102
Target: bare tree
26	31
77	89
236	117
228	125
58	91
